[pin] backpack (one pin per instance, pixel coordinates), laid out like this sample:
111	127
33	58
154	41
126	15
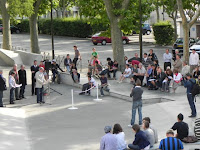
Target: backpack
197	128
190	139
195	89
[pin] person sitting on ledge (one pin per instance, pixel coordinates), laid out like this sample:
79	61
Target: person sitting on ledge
181	127
87	86
126	74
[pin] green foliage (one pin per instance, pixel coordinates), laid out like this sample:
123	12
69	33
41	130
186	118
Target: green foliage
65	27
163	32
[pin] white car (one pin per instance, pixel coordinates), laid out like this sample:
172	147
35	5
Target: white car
196	47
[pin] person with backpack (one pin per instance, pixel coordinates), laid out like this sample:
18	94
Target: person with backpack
189	83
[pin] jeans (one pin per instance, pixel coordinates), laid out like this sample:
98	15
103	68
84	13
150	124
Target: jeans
75	61
55	72
39	94
33	86
12	95
133	147
22	90
68	69
16	93
191	103
136	105
165	86
141	78
1	97
113	71
106	89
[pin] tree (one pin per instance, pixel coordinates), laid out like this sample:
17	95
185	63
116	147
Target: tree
157	4
10	9
171	9
186	23
121	15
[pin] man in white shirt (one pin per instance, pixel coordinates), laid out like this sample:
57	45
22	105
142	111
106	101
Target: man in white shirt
167	57
40	81
126	74
193	60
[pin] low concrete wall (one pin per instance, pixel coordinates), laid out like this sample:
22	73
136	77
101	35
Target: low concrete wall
5	58
28	58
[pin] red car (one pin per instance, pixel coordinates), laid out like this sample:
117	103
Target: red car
97	38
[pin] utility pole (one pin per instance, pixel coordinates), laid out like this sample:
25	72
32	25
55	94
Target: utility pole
52	33
141	30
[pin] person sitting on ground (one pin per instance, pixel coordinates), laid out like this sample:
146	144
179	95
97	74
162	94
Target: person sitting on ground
177	78
178	63
148	73
126	59
181	127
109	140
110	68
149	133
134	70
141	141
147	119
152	77
104	84
73	67
196	72
140	73
68	63
54	69
185	69
152	55
87	86
75	76
126	74
157	83
115	69
146	61
118	132
167	81
170	141
98	69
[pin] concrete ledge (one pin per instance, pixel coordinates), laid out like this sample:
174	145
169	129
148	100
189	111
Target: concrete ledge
9	57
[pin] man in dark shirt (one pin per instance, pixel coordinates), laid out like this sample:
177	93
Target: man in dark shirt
135	58
137	102
181	127
34	69
104	84
2	87
77	55
110	66
54	69
22	80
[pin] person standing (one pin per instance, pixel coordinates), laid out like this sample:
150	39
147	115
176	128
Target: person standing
193	60
178	63
2	87
109	140
34	69
170	141
189	85
12	85
68	63
16	80
181	127
137	102
167	56
76	56
40	81
22	80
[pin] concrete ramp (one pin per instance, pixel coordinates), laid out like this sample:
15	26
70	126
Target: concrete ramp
10	57
13	131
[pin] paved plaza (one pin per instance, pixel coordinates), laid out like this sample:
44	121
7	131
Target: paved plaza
52	126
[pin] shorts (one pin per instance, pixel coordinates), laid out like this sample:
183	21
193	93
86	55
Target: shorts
126	76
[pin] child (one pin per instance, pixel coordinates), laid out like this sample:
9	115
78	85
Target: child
126	74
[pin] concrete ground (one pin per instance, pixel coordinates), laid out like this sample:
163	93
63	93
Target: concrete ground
30	126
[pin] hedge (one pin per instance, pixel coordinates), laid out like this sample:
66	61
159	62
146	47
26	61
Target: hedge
64	27
163	33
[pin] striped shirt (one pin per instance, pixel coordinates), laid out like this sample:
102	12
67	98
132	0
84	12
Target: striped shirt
171	143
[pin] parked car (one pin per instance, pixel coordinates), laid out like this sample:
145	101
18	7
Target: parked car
13	29
146	29
178	44
196	47
97	38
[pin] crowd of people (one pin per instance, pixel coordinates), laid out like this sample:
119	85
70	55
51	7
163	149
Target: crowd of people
145	136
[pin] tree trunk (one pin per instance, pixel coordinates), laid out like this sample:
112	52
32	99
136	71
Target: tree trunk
63	12
117	45
175	26
34	34
186	29
6	26
157	12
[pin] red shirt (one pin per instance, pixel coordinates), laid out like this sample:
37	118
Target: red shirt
135	62
42	66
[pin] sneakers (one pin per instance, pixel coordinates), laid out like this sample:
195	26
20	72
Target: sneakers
130	125
192	116
102	95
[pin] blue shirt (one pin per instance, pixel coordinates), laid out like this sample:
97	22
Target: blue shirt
108	142
189	85
141	140
171	143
